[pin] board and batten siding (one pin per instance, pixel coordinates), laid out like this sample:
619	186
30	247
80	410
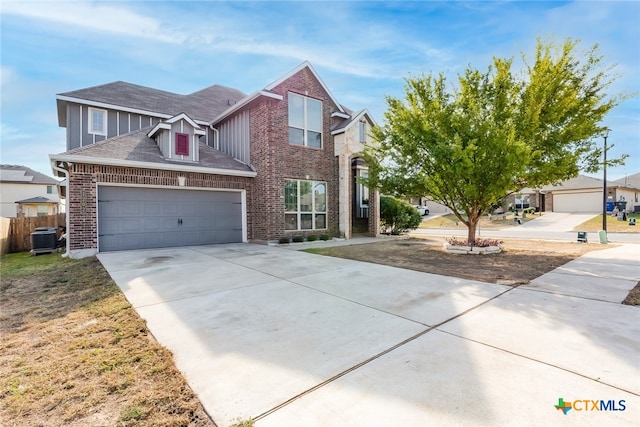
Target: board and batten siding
234	137
118	123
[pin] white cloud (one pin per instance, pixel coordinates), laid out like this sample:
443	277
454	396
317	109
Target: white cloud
94	17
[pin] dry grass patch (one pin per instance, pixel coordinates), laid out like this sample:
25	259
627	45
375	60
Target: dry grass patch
74	352
613	225
520	261
450	221
634	296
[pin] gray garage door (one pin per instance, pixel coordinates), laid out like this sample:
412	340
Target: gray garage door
142	218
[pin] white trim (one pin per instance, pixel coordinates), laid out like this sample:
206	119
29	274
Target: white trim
81	126
244	101
182	116
341	115
118	122
243	207
355	119
161	125
149	165
313	211
305	64
119	108
305	113
90	127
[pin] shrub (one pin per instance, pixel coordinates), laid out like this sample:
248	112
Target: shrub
325	237
283	240
398	216
312	238
298	239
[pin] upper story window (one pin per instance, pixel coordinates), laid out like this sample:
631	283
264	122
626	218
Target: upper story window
182	144
305	121
363	131
97	121
49	189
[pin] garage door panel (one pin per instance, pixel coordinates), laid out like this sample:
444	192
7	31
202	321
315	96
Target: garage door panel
577	202
137	218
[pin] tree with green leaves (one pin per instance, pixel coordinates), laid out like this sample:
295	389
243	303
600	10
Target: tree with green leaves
498	132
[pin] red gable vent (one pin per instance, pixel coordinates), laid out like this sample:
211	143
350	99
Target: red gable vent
182	144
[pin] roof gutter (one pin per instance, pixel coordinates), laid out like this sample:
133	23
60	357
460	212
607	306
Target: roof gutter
148	165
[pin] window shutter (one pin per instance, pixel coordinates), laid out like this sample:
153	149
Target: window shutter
182	144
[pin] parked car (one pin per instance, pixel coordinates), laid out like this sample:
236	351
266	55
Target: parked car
422	209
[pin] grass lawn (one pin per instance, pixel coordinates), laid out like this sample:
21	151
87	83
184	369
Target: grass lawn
74	351
613	225
450	221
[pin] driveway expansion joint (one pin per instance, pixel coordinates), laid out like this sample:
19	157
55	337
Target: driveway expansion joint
540	361
376	356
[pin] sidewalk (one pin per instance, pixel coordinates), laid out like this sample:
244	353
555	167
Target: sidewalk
515	233
550	226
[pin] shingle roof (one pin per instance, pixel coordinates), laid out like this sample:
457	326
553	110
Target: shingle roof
137	146
631	181
38	199
579	182
203	105
24	175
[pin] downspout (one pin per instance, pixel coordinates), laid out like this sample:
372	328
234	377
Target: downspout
66	216
217	137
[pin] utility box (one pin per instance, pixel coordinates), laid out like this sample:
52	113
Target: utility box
43	240
603	237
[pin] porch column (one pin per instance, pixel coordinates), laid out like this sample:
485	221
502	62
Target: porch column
344	209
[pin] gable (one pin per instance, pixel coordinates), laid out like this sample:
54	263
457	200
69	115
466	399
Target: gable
309	74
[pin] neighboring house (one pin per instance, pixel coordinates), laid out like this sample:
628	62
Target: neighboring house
434	207
580	194
626	189
25	192
147	168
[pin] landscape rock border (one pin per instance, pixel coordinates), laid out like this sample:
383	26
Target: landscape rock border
472	250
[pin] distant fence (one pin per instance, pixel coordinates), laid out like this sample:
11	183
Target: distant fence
15	233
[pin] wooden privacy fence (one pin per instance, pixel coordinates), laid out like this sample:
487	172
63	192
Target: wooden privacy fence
16	232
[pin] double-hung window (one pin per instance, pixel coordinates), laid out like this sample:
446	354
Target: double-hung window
305	205
305	121
97	121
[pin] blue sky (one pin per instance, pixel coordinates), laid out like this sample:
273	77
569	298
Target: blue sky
362	50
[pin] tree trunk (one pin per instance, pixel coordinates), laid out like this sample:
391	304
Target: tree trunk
471	235
472	227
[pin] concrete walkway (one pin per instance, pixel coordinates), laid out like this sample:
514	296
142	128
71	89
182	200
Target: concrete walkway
292	339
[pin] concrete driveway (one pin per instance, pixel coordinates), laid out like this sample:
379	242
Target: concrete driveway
555	221
292	339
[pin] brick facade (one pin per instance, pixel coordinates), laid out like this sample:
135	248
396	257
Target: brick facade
276	160
257	134
84	180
